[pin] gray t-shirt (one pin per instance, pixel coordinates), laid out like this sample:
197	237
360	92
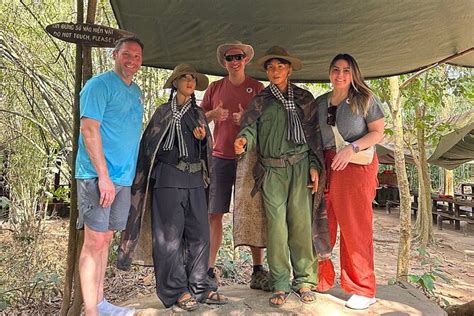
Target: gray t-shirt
351	126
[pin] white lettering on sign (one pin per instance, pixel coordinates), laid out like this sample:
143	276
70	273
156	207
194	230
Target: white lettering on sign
87	34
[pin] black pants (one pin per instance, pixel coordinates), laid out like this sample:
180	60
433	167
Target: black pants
180	231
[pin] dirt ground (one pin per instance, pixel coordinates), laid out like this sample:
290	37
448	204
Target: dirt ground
447	255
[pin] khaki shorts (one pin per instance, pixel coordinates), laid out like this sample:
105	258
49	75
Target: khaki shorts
96	217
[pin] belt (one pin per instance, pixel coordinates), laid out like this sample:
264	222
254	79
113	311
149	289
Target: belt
188	167
283	161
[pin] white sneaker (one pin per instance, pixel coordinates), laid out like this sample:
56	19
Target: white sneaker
107	309
360	302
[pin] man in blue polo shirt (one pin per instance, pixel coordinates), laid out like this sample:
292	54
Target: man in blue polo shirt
111	120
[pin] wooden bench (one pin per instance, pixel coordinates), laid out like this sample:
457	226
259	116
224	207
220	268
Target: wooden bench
440	216
390	204
450	209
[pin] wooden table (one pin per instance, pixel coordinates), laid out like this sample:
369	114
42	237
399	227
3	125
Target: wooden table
389	204
386	194
450	209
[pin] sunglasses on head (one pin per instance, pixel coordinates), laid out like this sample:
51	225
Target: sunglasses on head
331	120
237	57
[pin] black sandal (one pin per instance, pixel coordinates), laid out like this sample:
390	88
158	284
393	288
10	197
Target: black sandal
283	297
188	304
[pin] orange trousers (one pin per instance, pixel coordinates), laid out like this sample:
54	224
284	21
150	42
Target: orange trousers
349	197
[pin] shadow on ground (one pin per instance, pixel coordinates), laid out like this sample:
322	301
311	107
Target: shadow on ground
401	299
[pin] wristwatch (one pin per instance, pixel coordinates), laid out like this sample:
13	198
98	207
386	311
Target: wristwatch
355	147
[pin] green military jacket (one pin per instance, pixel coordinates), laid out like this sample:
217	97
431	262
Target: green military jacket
274	144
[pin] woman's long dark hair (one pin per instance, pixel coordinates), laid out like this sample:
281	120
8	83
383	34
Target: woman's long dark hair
173	90
360	94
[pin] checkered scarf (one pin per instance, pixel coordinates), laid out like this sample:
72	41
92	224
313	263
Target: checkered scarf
175	128
295	128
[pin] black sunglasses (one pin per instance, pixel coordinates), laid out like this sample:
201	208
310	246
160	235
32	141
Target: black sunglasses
331	120
237	57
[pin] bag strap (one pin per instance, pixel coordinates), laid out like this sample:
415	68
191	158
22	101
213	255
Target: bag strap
337	136
340	142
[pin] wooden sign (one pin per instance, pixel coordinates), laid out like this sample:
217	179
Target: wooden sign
86	34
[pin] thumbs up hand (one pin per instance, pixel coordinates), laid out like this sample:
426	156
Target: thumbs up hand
237	116
219	113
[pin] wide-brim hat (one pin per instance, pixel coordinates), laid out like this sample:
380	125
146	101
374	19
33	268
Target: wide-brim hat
187	69
222	49
281	53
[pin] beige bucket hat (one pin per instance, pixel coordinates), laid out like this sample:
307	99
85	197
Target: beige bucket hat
187	69
278	52
222	49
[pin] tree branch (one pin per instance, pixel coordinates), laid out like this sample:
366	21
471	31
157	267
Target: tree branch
443	61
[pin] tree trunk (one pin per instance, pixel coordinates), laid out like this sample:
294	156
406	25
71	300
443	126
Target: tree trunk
402	178
424	223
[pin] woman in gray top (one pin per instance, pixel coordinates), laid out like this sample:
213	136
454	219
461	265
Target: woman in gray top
351	107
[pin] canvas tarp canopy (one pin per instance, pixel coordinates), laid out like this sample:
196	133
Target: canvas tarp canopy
453	149
387	37
456	147
386	153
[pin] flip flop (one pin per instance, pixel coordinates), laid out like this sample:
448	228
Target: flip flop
215	298
188	304
283	297
305	295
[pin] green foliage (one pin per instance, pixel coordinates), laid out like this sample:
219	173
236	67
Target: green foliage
4	204
432	270
60	194
226	255
425	281
392	281
28	272
37	84
388	131
463	173
41	286
113	254
230	259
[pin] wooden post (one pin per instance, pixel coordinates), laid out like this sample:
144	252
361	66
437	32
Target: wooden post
71	262
448	182
85	35
87	50
86	75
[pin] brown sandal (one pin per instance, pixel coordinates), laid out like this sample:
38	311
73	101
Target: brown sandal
282	297
187	304
306	295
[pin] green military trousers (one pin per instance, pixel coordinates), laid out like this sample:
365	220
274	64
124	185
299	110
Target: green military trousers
288	208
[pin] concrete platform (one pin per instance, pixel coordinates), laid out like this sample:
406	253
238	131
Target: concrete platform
392	300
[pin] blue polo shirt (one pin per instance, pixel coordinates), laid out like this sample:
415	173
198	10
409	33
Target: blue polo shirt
118	107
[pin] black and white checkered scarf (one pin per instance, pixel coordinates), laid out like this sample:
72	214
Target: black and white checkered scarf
175	128
295	128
